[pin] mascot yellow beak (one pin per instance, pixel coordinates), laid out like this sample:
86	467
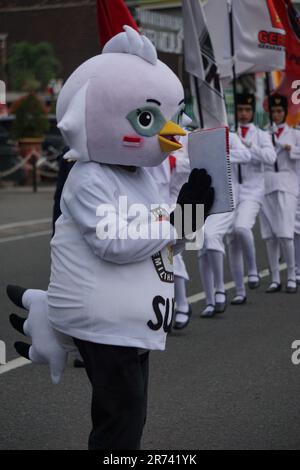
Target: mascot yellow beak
166	137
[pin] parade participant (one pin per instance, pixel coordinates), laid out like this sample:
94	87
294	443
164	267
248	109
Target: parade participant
110	291
277	218
179	175
249	195
170	177
211	256
297	226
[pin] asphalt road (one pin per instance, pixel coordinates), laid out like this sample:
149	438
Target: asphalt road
224	383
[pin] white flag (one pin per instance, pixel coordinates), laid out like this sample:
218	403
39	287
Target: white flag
201	64
259	37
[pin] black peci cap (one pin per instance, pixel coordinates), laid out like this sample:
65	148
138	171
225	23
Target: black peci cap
278	100
246	99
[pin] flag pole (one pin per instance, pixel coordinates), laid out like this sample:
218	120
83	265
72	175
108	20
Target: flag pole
200	113
229	3
270	114
233	64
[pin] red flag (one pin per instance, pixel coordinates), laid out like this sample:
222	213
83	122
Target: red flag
112	15
290	18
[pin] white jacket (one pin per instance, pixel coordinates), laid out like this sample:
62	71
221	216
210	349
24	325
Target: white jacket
286	179
262	152
114	291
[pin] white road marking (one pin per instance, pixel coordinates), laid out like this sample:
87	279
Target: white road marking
14	238
20	362
14	364
25	223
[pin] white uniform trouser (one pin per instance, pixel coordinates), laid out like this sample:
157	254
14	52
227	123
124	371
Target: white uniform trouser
297	238
277	223
215	228
244	216
297	220
278	215
241	242
212	253
179	267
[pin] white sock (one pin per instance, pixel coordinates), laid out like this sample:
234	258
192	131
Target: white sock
181	300
297	252
273	251
236	263
208	308
288	251
216	260
247	240
207	278
181	317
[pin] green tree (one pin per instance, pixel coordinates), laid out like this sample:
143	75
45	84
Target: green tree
31	118
31	66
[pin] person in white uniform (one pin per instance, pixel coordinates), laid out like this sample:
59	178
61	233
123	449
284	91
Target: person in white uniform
111	289
297	227
170	177
249	195
211	256
278	214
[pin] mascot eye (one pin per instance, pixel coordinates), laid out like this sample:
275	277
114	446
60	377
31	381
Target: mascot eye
146	121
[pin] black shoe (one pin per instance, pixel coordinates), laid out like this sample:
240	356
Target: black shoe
274	287
298	280
22	349
15	293
178	325
253	281
220	307
239	300
78	364
208	312
17	323
291	289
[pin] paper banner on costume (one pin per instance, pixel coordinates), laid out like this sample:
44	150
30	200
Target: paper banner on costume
112	15
201	64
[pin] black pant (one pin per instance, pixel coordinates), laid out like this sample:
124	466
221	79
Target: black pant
119	378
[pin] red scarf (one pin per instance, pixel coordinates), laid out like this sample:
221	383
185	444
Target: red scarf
279	132
244	131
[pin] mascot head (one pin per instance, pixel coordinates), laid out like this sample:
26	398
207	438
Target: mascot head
122	107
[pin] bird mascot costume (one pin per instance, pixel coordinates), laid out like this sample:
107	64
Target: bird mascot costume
111	291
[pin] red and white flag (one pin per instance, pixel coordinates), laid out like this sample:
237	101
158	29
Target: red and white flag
290	18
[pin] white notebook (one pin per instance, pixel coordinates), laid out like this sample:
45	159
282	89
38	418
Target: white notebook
209	149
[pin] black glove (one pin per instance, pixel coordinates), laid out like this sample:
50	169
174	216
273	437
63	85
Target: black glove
197	190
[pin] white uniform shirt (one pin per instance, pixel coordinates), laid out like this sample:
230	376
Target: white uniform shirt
239	155
262	152
114	291
286	179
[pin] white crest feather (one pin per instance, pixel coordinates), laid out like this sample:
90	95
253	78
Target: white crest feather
131	42
73	126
